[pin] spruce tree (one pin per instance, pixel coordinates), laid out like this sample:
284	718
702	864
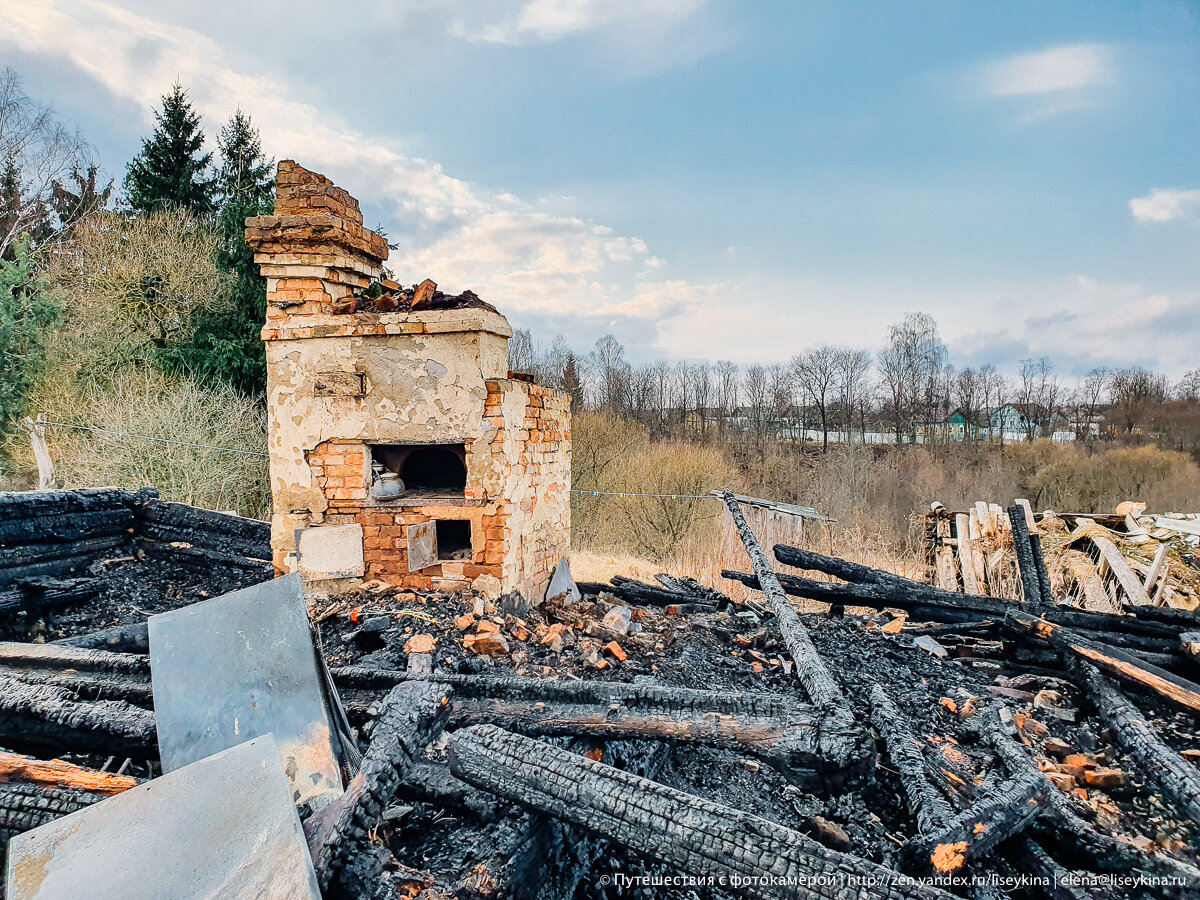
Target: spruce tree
227	347
245	175
172	169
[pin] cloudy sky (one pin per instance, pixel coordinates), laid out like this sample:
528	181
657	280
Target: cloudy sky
707	178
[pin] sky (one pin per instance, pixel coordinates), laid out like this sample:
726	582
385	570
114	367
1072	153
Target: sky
712	179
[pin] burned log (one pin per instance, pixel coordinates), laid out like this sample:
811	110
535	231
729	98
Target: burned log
640	594
133	638
27	806
811	670
793	736
1000	813
926	804
693	588
42	594
1175	776
412	716
757	857
37	516
43	559
1111	660
89	686
57	656
202	528
41	716
793	745
1024	553
1123	631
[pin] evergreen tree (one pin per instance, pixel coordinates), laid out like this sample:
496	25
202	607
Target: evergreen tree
171	169
227	347
245	175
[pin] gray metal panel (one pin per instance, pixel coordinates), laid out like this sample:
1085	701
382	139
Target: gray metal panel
422	545
239	666
224	827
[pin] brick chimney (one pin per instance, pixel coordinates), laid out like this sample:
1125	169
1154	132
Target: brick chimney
400	447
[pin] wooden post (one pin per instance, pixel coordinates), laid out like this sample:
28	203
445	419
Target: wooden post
41	452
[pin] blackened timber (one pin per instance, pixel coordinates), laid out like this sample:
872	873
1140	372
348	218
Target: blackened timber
695	835
57	656
792	745
1000	813
43	716
810	668
133	638
1111	660
1039	562
40	559
793	736
35	516
1024	552
24	807
928	602
1175	776
89	685
926	804
233	534
41	595
413	715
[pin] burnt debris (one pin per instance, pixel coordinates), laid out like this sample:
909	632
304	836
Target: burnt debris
890	739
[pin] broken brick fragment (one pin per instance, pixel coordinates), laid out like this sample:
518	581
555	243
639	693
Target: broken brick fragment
420	643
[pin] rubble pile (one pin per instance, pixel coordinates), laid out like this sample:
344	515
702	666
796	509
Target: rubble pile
648	739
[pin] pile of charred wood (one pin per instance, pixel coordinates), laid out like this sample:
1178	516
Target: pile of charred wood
597	748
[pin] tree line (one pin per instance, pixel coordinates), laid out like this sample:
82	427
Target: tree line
159	264
906	390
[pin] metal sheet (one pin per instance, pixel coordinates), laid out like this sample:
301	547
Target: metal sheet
422	545
561	582
239	666
223	827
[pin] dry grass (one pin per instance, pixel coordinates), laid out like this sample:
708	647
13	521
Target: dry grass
146	402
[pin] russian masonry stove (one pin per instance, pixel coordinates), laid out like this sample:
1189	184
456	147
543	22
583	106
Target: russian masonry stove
392	414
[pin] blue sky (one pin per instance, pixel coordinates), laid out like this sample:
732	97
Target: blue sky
713	179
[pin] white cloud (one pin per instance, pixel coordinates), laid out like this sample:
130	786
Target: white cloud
543	21
1070	68
511	252
1165	204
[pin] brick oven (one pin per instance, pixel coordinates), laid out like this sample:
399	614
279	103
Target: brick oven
401	447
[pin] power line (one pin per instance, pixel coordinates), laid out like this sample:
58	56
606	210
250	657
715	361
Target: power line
96	429
632	494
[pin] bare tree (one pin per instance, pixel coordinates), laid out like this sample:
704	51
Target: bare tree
1188	387
853	367
1089	399
815	373
1132	394
520	351
727	391
995	390
912	369
612	373
37	152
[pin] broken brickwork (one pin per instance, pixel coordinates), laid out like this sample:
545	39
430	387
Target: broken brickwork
369	382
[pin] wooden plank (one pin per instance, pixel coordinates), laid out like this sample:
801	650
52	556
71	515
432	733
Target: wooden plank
60	774
1125	576
1160	557
966	555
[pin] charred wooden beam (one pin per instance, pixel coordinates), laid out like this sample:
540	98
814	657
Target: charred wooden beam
43	716
811	670
926	804
43	594
693	834
870	587
793	745
1112	660
34	516
133	638
202	528
57	656
1189	642
794	736
682	584
89	686
1000	813
55	558
204	560
1024	553
24	807
1175	776
1031	858
412	716
56	773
